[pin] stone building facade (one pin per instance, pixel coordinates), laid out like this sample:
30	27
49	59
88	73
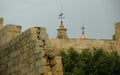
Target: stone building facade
32	52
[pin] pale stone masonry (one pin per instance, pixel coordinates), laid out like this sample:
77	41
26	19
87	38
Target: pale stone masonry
1	23
28	53
117	31
62	32
8	32
79	45
32	52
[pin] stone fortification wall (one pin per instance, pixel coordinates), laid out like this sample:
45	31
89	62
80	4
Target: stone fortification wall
33	53
118	45
79	44
9	32
63	44
1	23
117	31
29	54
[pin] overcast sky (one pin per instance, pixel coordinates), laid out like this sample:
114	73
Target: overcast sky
98	16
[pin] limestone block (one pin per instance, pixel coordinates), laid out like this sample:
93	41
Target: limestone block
58	59
47	73
10	64
2	67
41	54
12	69
58	73
32	44
3	47
36	57
43	30
52	62
43	36
41	62
1	22
38	50
33	33
15	61
21	65
15	53
4	60
36	72
4	72
31	59
32	30
44	69
51	54
31	66
30	52
1	54
24	70
33	36
18	72
24	56
39	43
8	33
58	66
22	50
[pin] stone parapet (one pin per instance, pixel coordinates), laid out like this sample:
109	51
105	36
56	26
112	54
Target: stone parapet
9	32
1	23
63	44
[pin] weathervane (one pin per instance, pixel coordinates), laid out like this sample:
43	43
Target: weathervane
83	28
61	17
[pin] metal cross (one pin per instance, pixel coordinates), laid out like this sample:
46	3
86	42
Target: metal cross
83	28
61	17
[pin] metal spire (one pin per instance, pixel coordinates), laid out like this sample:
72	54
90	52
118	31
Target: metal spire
61	17
83	28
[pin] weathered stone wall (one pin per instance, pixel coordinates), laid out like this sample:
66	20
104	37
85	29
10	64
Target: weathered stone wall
117	31
118	46
63	44
30	54
1	23
8	32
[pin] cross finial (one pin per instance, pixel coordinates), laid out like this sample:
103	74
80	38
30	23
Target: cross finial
83	28
61	17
